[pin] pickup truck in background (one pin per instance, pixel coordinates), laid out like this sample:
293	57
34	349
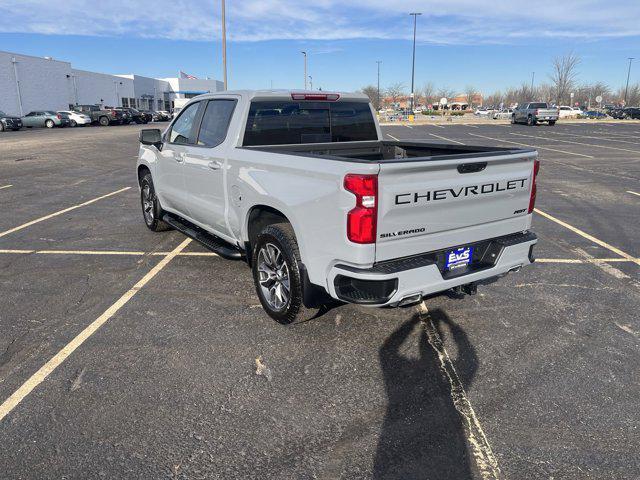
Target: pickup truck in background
305	189
104	116
535	112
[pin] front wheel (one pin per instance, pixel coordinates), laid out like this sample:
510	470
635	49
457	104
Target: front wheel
276	272
104	121
73	123
530	121
513	119
151	210
552	123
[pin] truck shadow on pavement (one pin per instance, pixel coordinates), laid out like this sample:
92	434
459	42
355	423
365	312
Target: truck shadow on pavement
423	436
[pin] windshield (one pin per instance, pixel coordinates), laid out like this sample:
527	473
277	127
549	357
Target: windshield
293	122
2	114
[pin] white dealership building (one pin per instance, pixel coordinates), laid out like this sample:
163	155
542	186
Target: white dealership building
34	83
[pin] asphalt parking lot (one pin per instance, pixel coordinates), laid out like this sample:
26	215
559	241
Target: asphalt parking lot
122	356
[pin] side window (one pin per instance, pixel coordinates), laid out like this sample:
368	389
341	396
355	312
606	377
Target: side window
215	122
181	129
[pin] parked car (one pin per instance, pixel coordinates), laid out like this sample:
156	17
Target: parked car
166	116
631	112
45	118
594	114
76	118
133	115
104	116
9	122
482	112
502	114
535	112
152	115
616	112
373	225
564	111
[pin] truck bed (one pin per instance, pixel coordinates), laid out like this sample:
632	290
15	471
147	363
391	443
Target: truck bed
390	151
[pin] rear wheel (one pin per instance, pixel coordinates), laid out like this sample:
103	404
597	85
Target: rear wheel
552	123
276	272
73	123
530	120
513	119
1	127
151	210
104	121
49	124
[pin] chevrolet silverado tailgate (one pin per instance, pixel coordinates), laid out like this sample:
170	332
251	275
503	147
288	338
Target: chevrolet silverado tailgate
436	203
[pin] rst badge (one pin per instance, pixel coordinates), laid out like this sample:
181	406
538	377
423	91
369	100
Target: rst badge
458	258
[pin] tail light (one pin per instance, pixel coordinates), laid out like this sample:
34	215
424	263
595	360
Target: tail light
113	113
535	112
532	198
362	219
59	117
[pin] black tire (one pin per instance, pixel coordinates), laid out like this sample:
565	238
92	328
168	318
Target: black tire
104	121
1	127
151	212
513	119
49	123
282	236
15	129
530	121
552	123
73	123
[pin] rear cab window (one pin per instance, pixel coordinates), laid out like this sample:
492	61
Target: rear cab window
538	105
280	122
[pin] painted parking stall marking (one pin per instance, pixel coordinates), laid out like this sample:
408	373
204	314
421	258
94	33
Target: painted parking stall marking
5	186
533	146
579	143
55	214
37	378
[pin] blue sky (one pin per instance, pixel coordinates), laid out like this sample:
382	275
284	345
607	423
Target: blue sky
488	44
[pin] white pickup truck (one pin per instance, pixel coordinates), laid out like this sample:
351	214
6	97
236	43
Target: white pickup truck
304	187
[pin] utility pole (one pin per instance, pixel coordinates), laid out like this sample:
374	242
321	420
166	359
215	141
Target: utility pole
533	75
413	63
224	46
305	68
626	90
378	62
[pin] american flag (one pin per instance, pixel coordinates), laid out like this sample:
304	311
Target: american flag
186	75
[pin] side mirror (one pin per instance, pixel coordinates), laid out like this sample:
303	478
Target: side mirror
151	136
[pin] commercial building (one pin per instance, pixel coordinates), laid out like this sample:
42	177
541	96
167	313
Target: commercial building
33	83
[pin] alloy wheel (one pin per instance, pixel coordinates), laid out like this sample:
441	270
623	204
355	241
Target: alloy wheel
274	276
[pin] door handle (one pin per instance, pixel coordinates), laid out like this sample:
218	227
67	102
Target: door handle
214	165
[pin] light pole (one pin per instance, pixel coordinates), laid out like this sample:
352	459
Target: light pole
378	62
224	46
310	82
305	68
413	63
626	90
533	75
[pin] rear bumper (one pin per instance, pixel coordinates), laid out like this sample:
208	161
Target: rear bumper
388	283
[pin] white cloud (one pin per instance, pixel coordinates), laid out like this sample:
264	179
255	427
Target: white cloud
442	21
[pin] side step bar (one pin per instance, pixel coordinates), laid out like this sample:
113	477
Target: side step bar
211	242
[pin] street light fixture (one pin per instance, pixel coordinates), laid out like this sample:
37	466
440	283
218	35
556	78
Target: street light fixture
626	90
305	68
413	63
310	82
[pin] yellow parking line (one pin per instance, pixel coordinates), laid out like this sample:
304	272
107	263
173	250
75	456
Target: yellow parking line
532	146
37	378
51	215
578	143
5	186
595	240
633	193
444	138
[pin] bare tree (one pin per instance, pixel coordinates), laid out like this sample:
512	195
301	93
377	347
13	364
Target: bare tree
633	95
563	78
445	92
495	99
427	93
470	95
395	91
371	91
